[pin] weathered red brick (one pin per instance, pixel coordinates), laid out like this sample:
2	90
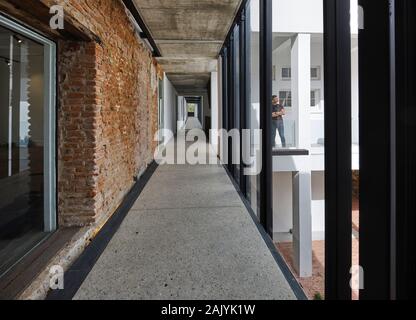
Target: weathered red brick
107	112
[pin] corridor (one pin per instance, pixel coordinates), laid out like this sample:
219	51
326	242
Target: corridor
188	236
193	123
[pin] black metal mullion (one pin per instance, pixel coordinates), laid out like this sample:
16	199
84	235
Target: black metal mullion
236	94
231	106
243	100
375	85
403	150
338	141
266	175
225	89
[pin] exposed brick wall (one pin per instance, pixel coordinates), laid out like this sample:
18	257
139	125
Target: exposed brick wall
107	112
78	113
155	116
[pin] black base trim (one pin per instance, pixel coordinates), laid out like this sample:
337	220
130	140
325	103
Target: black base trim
79	271
293	283
290	152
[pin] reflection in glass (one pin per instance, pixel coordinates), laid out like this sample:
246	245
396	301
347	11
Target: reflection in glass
253	43
236	99
21	146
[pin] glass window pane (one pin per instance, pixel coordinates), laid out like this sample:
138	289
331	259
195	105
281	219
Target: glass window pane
299	172
22	143
236	92
253	112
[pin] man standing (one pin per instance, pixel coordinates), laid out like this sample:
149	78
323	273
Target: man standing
277	122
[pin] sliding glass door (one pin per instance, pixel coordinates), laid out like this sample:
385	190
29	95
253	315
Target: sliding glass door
27	141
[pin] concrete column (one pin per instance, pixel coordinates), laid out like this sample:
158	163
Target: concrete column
302	194
301	88
302	223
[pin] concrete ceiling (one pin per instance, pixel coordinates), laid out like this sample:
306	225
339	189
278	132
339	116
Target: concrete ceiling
189	34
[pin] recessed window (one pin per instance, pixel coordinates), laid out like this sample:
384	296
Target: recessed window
316	73
286	73
315	98
286	98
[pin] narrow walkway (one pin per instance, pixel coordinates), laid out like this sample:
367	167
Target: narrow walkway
193	123
188	236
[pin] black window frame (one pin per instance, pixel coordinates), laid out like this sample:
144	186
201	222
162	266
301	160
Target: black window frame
338	173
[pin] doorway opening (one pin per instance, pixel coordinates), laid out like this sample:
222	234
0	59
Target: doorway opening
195	111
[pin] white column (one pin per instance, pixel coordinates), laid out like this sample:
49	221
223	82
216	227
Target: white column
301	88
302	224
181	113
302	192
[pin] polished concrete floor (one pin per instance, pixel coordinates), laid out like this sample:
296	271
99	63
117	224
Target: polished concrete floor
188	236
193	123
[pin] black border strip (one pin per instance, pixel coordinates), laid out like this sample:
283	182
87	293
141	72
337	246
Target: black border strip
290	152
79	271
266	92
146	32
235	21
293	283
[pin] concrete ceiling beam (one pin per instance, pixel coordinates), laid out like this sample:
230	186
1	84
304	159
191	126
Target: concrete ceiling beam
189	34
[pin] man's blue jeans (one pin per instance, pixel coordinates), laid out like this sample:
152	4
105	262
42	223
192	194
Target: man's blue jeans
278	126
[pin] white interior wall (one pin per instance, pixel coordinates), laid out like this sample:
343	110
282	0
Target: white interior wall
298	16
219	102
295	16
317	113
182	114
215	125
170	100
283	206
355	94
318	205
282	59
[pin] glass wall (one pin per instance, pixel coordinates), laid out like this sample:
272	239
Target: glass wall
299	144
236	98
253	99
27	165
241	102
295	182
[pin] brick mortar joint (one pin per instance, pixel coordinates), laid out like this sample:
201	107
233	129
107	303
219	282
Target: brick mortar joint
89	52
